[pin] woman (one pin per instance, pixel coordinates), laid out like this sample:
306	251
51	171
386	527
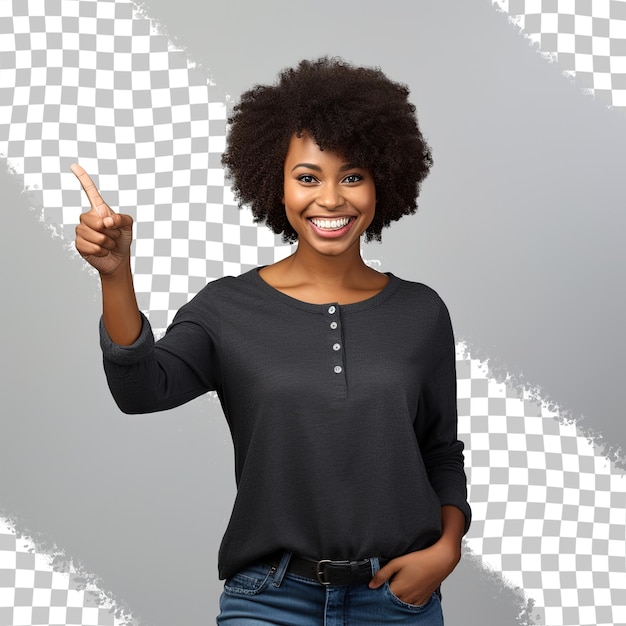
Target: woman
337	381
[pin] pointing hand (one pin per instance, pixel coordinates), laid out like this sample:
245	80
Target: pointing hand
103	237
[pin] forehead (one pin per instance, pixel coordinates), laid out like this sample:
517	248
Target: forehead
303	149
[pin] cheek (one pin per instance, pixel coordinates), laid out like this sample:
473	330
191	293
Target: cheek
296	197
290	204
371	200
371	203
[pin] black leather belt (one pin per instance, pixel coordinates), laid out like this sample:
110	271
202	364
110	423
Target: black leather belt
327	572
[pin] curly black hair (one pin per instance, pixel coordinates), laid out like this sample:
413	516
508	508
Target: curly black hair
356	111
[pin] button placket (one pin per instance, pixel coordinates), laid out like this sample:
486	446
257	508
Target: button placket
335	346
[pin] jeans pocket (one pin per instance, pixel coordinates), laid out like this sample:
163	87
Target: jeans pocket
405	605
250	581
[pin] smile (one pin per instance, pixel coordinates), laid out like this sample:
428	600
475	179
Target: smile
331	224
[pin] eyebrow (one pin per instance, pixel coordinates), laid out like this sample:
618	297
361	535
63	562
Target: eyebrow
317	168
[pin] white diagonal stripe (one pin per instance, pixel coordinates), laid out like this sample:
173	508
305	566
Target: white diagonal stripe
36	573
549	509
580	43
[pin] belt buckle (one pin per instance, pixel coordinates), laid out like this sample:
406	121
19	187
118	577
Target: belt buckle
319	570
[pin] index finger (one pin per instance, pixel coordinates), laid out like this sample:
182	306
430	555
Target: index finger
93	195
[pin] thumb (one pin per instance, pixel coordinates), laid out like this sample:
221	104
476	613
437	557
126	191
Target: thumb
119	220
98	205
383	575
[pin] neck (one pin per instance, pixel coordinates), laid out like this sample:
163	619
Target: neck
331	270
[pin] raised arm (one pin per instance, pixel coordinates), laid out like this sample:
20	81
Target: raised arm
103	239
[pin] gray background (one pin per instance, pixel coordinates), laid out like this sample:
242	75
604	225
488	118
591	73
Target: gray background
520	230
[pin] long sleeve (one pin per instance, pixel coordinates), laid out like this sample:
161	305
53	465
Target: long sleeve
147	376
436	426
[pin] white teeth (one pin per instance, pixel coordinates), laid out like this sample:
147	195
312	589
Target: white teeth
331	224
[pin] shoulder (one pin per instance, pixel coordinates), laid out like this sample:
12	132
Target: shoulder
228	290
423	305
414	293
233	298
429	312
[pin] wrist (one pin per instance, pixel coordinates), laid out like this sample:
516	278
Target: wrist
119	274
452	524
448	553
450	543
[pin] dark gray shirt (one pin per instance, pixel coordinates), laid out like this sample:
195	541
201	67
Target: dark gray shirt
343	417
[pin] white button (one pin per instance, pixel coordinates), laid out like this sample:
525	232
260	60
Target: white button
336	347
337	369
333	325
331	309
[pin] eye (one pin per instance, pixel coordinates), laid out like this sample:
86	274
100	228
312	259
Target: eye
307	179
353	178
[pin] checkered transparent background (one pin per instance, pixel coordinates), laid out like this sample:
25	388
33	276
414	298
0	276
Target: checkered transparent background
586	37
33	592
549	509
92	81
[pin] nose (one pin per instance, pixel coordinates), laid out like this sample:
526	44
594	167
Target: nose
330	196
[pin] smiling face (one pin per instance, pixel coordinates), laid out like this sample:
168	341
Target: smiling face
328	201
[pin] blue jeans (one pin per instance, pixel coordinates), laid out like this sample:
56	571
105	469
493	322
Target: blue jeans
262	595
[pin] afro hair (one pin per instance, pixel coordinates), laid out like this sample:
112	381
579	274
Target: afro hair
356	111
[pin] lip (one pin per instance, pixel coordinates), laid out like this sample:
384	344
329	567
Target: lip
332	234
